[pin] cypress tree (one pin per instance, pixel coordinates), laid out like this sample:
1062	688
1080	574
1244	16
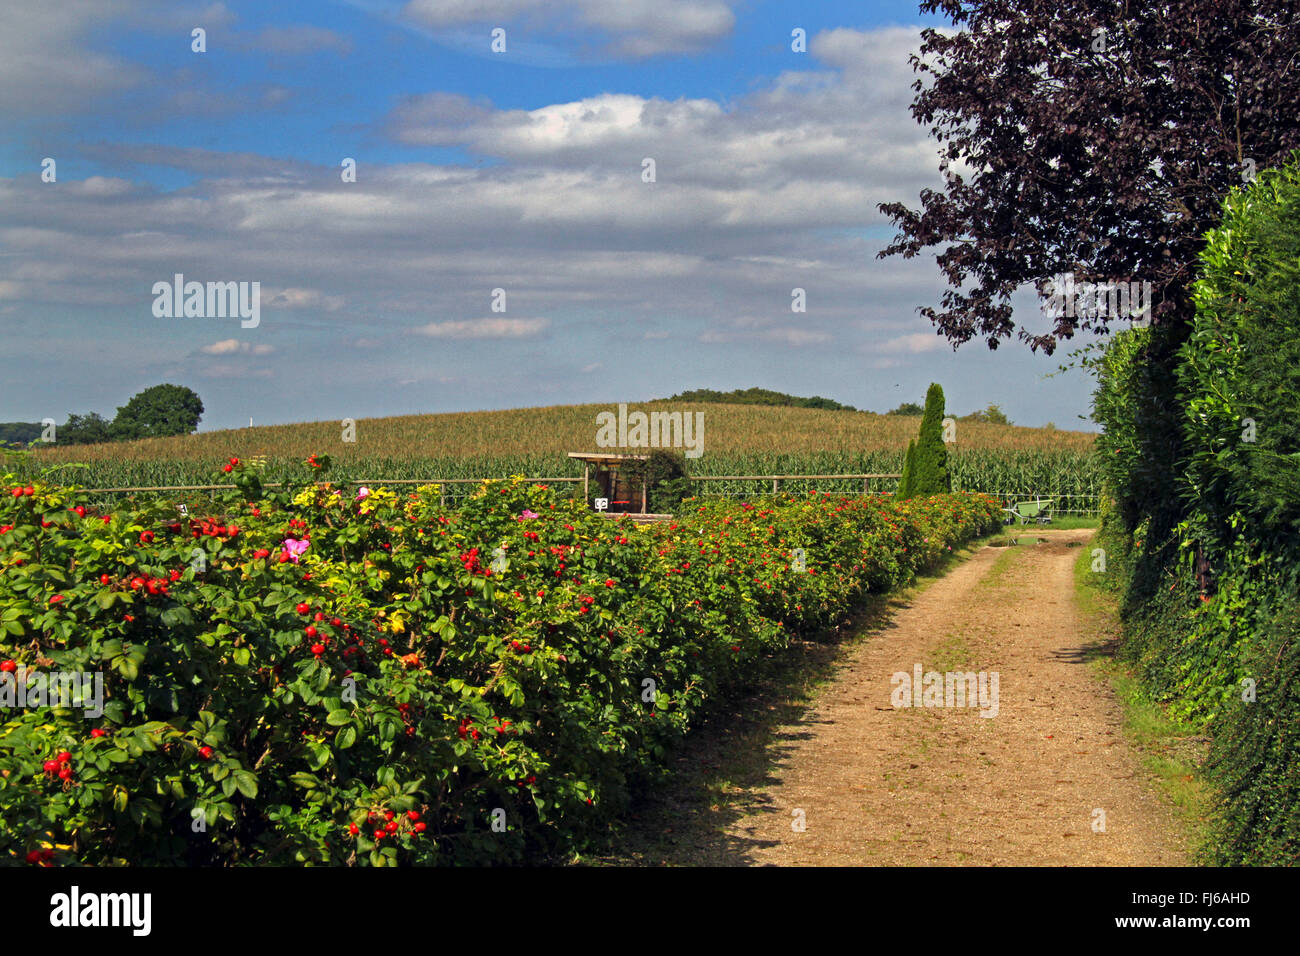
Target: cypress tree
925	470
909	467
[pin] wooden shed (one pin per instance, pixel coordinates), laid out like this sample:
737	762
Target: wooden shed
605	476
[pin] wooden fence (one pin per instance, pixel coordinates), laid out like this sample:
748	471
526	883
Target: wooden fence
442	482
1086	504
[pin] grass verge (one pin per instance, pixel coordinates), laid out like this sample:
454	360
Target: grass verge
1171	750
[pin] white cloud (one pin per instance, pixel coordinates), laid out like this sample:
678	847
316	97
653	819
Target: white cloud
754	198
915	344
48	63
301	299
101	186
236	347
820	146
484	329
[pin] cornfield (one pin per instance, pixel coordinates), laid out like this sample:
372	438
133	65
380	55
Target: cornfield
1070	477
1006	461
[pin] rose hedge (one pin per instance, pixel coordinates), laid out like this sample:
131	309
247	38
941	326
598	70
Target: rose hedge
321	677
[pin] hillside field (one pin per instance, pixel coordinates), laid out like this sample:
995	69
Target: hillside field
738	439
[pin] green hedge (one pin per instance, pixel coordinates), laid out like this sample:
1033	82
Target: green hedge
1202	458
319	676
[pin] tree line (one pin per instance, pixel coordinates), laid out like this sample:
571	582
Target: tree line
156	412
766	396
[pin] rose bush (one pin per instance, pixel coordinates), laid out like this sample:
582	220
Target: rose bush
326	676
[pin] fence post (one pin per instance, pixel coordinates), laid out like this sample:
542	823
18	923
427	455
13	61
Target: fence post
774	484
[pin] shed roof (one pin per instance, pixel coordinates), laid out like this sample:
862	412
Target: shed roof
596	458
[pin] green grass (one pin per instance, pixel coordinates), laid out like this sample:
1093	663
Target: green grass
1015	534
1171	749
1071	523
954	654
993	578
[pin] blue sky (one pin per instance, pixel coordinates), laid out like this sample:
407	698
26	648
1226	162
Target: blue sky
476	170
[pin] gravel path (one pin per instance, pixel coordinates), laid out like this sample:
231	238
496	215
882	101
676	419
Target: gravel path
1050	780
1047	781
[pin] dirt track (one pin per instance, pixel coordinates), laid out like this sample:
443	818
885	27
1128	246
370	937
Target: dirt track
877	784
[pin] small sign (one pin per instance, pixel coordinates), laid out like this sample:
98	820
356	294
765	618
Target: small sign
602	504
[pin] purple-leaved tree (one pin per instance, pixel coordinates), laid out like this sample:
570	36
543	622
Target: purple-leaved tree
1092	137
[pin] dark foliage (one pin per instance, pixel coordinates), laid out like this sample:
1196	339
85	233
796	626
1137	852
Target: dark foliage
759	396
157	412
1105	159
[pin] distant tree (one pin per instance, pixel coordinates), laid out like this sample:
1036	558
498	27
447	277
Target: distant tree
19	433
993	415
89	429
909	470
759	396
157	412
925	469
907	408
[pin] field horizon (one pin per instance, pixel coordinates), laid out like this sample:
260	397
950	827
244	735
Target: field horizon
739	439
558	429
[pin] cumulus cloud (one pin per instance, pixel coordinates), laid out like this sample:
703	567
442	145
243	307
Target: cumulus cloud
819	146
244	167
48	57
484	329
54	59
773	191
236	347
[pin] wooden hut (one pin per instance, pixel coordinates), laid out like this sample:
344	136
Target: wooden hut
605	476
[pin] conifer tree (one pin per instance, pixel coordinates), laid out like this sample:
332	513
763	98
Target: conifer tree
925	469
